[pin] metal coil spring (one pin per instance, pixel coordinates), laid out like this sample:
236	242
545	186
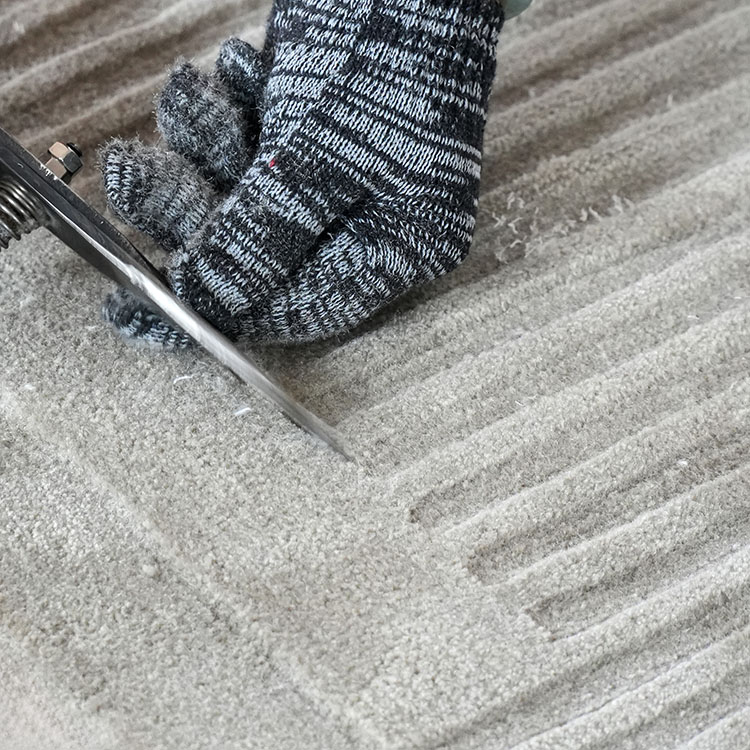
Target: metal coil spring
19	212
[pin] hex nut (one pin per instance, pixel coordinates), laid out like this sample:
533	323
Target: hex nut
65	161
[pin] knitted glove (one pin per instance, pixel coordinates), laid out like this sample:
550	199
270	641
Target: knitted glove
365	178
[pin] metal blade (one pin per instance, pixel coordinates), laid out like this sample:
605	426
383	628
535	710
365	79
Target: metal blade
90	235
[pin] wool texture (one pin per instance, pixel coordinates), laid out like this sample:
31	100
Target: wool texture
310	184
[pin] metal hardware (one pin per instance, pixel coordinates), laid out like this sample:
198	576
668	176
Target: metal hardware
65	160
19	211
33	194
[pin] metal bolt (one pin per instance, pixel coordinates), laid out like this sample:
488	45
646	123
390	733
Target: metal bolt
65	160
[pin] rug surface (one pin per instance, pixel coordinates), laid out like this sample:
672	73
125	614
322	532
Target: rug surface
545	542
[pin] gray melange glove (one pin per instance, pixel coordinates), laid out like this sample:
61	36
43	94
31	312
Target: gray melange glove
306	186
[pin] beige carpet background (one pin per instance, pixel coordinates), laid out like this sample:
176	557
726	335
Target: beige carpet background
545	543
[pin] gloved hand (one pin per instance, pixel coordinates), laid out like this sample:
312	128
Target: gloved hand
307	186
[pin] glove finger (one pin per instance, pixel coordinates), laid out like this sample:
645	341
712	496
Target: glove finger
201	120
134	320
330	294
373	259
244	71
155	191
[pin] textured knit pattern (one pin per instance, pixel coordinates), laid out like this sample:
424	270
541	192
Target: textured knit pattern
365	179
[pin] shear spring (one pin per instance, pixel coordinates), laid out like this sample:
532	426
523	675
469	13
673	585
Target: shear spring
19	212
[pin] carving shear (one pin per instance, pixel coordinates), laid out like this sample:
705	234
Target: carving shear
33	194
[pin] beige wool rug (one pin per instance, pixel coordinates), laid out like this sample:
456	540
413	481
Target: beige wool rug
545	541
